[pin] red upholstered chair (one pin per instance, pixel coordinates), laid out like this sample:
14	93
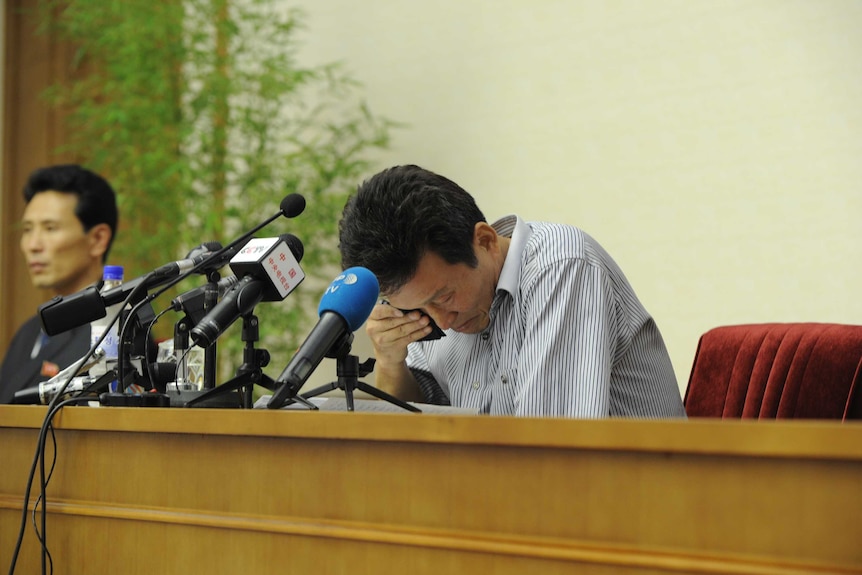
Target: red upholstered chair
778	370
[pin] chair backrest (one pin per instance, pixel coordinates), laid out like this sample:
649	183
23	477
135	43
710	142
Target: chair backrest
777	370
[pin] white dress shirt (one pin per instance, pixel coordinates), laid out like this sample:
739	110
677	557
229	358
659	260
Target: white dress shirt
567	337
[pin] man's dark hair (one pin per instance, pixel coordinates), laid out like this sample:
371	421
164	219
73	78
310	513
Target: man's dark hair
97	202
398	215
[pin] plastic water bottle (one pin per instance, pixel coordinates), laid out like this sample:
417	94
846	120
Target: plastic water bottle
112	277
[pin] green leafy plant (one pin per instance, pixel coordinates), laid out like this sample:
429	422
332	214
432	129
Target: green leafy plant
203	120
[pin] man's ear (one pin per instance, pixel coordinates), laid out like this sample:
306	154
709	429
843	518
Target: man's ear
100	237
484	236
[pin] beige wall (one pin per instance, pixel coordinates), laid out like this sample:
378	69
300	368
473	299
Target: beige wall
713	147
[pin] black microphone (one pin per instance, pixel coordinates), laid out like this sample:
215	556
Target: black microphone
291	206
204	262
268	269
193	300
193	261
344	307
196	302
63	313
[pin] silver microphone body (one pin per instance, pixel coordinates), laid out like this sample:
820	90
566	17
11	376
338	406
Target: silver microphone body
47	390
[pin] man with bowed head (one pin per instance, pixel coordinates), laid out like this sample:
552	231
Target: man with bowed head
539	320
68	226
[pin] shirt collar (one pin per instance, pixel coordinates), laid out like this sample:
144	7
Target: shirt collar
519	231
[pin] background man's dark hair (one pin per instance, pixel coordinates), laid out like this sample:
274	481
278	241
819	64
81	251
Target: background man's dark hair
398	215
97	202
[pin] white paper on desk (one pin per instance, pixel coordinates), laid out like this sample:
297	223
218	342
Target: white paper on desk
368	405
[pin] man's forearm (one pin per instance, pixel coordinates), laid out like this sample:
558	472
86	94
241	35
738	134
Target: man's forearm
398	380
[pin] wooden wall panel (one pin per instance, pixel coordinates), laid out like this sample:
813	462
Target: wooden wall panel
32	134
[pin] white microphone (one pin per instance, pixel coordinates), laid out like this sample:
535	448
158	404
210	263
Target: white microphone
268	269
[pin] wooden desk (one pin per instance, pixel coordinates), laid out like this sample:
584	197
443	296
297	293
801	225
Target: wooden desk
198	491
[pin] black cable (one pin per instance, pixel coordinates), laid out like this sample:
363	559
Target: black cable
121	332
44	487
52	409
147	357
180	360
90	389
23	526
46	555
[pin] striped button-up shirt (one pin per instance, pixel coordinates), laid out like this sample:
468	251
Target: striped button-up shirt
567	337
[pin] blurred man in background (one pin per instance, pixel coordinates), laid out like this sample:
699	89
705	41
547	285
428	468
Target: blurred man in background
68	226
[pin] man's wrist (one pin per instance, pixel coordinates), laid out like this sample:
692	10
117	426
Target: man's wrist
391	369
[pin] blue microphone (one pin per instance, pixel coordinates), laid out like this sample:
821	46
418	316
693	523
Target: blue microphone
344	307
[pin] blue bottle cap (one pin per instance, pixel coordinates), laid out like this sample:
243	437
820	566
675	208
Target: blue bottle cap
112	273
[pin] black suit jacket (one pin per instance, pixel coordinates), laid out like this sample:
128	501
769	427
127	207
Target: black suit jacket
20	371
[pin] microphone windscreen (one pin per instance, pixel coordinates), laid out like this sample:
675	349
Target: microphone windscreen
292	205
294	244
161	374
352	295
27	396
63	313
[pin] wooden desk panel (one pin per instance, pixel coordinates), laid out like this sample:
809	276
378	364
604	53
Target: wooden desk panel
232	491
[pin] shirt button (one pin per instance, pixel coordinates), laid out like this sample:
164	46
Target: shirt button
485	336
475	385
504	379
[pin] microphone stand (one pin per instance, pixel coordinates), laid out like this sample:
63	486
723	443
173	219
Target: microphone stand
181	346
140	315
210	300
349	370
195	310
247	375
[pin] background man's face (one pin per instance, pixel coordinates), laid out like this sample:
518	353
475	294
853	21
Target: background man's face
60	254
